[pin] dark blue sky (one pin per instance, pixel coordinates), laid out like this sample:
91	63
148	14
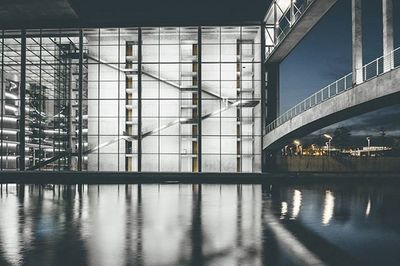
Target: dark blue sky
324	56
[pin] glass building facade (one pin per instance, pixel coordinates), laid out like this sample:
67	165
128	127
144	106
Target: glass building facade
169	99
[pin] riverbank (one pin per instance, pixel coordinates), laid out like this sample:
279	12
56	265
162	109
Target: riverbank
32	177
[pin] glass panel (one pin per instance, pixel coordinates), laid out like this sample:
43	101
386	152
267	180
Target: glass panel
170	104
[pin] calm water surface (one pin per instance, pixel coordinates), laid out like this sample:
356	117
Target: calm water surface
199	225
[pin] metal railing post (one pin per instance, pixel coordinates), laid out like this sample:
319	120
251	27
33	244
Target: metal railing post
302	106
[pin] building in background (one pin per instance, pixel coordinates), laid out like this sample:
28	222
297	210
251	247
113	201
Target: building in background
171	99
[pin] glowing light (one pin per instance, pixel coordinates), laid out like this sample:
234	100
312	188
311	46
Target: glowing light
11	108
7	118
10	95
328	207
296	203
368	210
284	209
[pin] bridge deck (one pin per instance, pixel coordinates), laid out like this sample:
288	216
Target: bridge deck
292	34
374	93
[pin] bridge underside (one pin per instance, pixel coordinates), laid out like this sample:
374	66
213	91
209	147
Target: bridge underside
300	29
371	95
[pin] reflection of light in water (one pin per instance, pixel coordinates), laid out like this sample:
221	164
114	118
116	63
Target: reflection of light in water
328	207
296	203
283	209
9	227
106	226
368	210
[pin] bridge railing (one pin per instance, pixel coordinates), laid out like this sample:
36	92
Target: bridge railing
381	65
299	8
287	21
369	71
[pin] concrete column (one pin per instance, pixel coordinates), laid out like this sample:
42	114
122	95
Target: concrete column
80	100
270	160
272	90
140	136
22	91
199	101
388	43
263	88
292	12
276	23
272	110
356	11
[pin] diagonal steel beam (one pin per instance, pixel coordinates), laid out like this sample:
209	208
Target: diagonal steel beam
151	74
53	159
240	103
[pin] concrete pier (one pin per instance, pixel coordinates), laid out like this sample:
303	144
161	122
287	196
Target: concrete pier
356	25
373	94
388	35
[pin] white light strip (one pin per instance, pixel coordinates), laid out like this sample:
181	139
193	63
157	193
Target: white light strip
368	210
7	131
11	108
12	96
296	203
329	205
7	118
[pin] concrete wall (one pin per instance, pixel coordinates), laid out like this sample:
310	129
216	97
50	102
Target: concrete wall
257	110
338	164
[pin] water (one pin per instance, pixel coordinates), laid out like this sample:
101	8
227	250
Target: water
181	224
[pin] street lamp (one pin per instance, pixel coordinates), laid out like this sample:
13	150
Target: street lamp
329	137
327	147
297	143
285	150
369	145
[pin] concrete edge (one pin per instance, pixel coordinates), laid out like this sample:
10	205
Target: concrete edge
32	177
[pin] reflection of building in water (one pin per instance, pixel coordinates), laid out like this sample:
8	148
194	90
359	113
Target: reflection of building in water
11	241
296	203
180	224
137	224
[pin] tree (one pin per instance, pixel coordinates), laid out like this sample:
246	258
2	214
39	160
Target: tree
341	137
382	135
396	144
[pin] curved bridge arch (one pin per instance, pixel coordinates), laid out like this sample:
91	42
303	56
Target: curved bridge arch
381	91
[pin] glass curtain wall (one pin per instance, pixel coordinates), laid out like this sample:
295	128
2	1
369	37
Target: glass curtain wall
169	99
231	85
41	68
112	56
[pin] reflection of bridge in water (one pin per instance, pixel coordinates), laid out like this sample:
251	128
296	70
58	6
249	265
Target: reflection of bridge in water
367	88
187	224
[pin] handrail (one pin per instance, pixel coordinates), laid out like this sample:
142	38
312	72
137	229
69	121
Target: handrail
299	9
369	71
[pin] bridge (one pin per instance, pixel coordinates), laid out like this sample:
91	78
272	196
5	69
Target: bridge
339	101
368	87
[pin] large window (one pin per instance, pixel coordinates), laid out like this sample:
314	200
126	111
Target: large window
172	99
